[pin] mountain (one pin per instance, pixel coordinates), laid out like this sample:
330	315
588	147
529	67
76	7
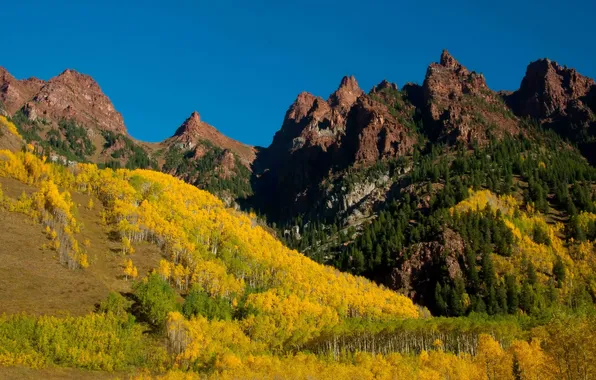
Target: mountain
321	137
460	107
194	130
72	120
442	199
15	93
561	99
199	154
401	186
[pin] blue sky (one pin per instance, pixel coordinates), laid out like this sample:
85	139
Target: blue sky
240	64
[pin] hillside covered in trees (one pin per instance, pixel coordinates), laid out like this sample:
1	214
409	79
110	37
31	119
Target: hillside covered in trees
226	299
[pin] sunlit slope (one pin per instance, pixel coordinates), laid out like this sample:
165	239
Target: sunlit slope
221	250
540	259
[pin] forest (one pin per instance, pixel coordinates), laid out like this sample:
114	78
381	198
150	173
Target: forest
230	300
522	208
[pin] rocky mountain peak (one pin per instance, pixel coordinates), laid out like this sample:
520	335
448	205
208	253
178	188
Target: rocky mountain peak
15	93
347	93
547	88
349	82
76	96
193	131
448	61
460	104
73	77
301	106
195	116
191	126
384	85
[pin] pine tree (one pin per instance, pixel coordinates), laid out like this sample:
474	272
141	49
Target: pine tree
512	294
559	271
516	369
440	303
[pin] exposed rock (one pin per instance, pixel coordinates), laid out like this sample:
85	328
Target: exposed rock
320	137
30	112
194	130
76	96
461	106
374	134
346	94
547	88
425	261
559	98
15	93
384	85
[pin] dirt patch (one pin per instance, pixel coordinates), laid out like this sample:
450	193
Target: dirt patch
34	281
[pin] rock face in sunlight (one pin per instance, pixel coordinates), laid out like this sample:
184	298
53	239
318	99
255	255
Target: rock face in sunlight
549	90
319	137
460	105
561	99
70	95
194	130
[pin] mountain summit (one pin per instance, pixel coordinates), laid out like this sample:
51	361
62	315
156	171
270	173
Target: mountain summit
193	130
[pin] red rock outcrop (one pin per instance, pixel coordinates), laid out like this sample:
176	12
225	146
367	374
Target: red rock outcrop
70	95
461	105
561	99
547	90
319	137
76	96
376	134
313	122
15	93
194	130
413	274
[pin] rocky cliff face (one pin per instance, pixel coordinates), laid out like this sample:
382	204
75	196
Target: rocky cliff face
70	95
75	96
320	137
548	90
15	93
559	98
418	266
461	107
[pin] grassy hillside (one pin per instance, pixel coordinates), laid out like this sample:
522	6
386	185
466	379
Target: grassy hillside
162	280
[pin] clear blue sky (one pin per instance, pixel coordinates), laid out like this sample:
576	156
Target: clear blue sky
242	63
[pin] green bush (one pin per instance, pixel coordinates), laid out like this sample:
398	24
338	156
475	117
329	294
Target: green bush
198	302
156	299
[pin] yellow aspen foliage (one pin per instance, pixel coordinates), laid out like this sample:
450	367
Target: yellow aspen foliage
164	269
129	269
220	250
9	125
493	358
534	364
83	260
127	247
90	204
